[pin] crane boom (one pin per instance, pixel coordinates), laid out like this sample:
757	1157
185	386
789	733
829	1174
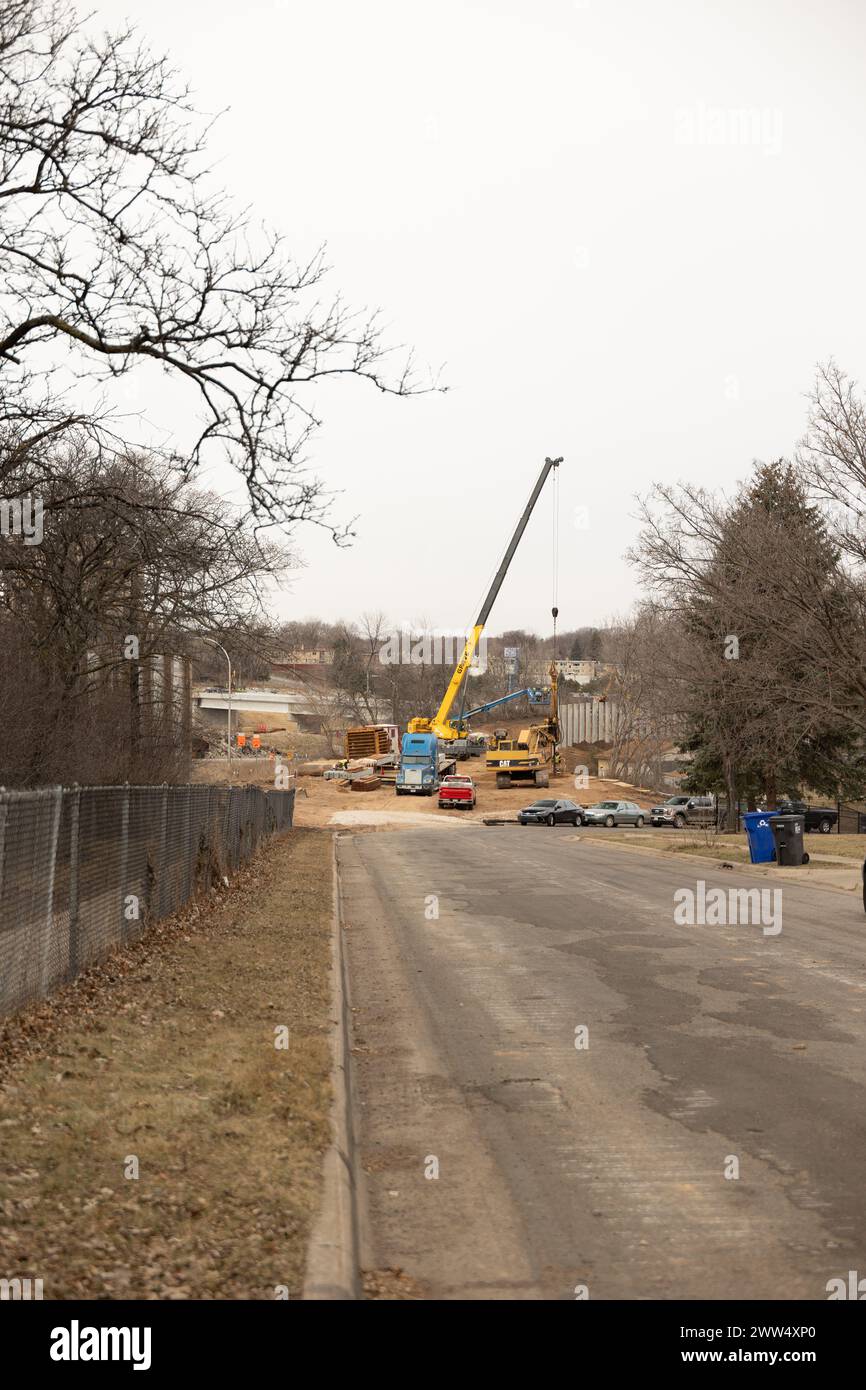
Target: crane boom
440	724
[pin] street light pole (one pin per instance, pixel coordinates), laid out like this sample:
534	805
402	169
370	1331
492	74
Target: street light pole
214	643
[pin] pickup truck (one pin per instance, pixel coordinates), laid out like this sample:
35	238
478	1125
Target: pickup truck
680	811
821	818
458	792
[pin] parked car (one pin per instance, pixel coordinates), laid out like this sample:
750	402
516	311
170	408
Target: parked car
614	813
821	818
679	811
457	791
665	812
550	812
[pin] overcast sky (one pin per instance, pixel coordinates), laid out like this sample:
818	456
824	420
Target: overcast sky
627	230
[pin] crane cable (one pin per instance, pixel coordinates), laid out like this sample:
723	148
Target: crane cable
554	608
555	553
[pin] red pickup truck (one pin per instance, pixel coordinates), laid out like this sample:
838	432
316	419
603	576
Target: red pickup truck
457	791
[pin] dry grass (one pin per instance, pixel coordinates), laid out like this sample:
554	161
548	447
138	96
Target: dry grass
245	771
847	846
735	847
167	1053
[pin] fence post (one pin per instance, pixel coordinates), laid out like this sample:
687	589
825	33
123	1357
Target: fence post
227	826
124	858
4	811
74	860
187	837
163	830
56	794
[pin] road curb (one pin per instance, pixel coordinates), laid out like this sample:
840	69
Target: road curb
332	1270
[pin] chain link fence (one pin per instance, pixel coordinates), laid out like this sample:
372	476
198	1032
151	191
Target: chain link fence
87	868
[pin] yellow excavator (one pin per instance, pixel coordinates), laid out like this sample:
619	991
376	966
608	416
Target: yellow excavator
532	756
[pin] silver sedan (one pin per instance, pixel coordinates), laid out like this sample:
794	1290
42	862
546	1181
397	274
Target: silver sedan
614	813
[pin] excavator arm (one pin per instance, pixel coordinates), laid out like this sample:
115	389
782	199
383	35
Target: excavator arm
536	697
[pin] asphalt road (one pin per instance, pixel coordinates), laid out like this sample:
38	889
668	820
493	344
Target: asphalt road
605	1169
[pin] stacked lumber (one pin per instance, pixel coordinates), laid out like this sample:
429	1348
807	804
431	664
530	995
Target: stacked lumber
368	741
365	784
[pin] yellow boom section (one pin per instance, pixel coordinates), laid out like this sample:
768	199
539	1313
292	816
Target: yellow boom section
440	724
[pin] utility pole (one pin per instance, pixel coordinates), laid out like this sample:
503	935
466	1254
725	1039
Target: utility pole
214	643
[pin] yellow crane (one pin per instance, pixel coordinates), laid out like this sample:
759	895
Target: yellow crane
441	724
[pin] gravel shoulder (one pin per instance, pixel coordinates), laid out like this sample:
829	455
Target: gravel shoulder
163	1061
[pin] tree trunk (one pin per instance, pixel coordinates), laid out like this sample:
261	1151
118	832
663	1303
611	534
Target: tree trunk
131	771
731	794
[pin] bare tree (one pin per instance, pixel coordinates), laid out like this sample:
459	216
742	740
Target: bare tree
135	570
639	688
832	455
116	246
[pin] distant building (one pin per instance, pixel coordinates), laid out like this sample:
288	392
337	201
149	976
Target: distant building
317	656
582	672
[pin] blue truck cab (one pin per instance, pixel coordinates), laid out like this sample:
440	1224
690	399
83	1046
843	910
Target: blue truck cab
422	765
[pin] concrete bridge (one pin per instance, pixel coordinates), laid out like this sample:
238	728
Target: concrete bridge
293	703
